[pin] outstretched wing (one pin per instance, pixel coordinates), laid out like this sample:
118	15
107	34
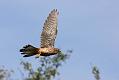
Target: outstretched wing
49	32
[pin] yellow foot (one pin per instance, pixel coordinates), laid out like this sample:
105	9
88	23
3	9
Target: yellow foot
37	55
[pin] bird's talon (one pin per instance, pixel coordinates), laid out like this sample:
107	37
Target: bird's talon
37	56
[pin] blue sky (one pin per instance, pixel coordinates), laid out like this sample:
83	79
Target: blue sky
89	27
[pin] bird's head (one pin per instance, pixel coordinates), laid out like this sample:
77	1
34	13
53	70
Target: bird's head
57	50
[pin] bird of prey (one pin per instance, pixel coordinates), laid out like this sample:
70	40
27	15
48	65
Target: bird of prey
48	37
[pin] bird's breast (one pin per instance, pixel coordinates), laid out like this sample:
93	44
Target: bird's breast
46	50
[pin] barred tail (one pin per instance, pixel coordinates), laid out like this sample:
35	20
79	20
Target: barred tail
29	50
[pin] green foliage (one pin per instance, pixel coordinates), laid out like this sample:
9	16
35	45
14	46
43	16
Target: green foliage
96	72
4	73
48	68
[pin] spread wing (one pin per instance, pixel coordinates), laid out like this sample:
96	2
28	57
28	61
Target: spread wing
49	32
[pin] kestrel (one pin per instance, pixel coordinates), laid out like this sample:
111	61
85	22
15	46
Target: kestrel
48	37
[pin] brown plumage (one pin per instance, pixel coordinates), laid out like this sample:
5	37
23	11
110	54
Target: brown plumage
48	37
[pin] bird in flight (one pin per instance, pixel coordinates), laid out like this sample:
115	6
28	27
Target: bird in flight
48	37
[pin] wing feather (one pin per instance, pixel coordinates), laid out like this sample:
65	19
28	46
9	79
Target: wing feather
49	32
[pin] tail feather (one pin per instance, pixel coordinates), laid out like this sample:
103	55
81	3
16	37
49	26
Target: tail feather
29	50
